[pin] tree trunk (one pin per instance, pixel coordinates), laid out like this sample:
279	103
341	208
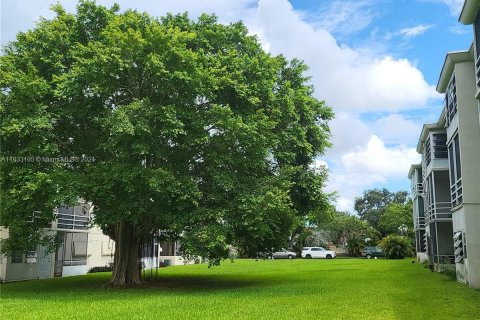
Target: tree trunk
125	264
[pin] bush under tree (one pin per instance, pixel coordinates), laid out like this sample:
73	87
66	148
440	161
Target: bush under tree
396	247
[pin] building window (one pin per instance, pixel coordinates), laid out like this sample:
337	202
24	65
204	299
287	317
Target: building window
73	251
435	147
440	146
72	218
455	171
427	152
450	101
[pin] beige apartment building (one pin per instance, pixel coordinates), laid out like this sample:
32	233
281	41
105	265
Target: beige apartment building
81	247
451	188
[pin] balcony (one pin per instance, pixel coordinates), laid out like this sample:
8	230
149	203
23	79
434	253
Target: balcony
72	218
448	259
417	189
438	211
419	223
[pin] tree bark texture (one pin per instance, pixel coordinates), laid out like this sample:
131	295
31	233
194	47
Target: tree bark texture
125	264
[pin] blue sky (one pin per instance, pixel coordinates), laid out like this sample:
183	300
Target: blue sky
376	62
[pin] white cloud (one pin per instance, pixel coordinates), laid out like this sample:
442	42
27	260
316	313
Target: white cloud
347	79
343	17
376	159
344	204
456	29
20	15
410	32
348	133
366	167
395	129
454	5
349	185
415	31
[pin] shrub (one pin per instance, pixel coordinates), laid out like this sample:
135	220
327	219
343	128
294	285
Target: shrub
355	246
107	268
396	247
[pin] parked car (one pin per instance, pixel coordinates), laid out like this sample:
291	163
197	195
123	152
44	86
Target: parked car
284	254
372	252
317	252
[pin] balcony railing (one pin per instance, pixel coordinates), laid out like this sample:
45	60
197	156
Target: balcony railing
72	221
419	223
438	211
417	189
444	258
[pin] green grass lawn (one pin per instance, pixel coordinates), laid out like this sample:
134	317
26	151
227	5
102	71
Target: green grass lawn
248	289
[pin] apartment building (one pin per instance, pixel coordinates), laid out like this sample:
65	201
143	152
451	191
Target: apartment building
459	125
81	247
416	178
433	227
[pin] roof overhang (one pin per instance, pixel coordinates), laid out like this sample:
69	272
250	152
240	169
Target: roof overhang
469	11
412	169
450	60
424	134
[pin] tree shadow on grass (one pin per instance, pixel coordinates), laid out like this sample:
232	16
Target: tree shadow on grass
199	283
98	285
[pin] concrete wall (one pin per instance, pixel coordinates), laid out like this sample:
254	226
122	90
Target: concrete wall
472	235
467	217
468	131
100	249
458	220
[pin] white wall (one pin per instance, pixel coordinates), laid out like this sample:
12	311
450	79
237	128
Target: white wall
100	249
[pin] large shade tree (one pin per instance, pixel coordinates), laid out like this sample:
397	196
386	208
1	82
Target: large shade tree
184	126
398	219
372	204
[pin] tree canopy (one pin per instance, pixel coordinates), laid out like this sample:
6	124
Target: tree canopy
372	204
350	229
169	124
398	219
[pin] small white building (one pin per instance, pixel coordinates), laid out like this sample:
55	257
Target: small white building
81	248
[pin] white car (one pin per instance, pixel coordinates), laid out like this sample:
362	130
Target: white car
317	252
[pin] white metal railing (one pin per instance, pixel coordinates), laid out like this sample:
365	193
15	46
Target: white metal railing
417	189
456	191
419	223
444	258
438	211
72	221
75	262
